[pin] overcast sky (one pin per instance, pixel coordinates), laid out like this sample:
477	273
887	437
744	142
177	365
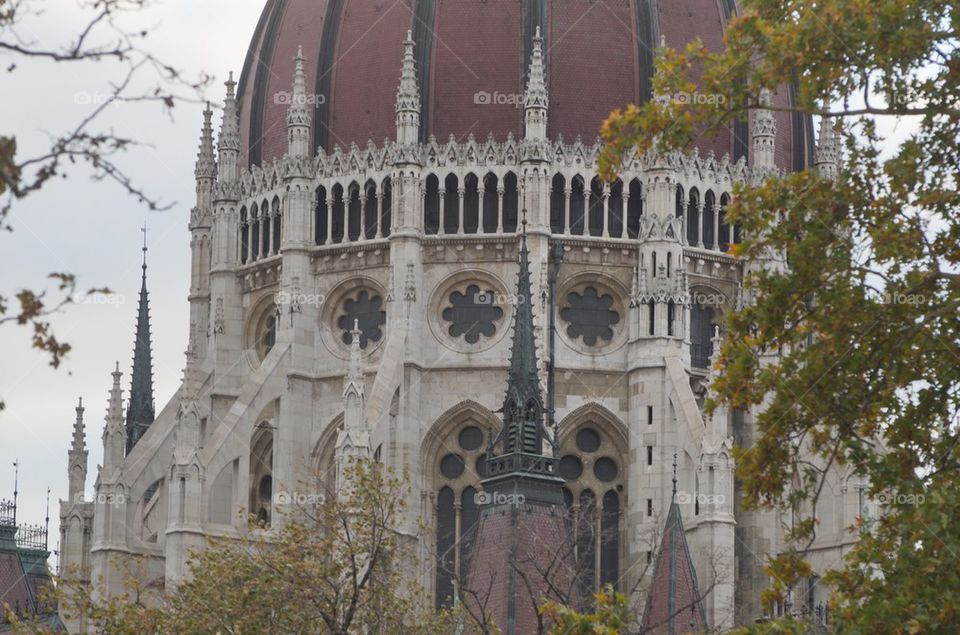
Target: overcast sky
93	230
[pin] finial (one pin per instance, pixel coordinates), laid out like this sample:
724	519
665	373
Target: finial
16	480
144	230
674	476
523	222
46	521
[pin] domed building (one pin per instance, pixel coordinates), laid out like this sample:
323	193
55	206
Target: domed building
380	170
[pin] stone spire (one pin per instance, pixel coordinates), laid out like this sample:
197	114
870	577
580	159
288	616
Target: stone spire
353	441
523	529
523	403
298	114
114	432
828	149
674	604
77	457
764	136
229	140
205	170
140	412
408	97
535	99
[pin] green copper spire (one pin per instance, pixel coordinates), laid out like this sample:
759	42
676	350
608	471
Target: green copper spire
523	404
140	412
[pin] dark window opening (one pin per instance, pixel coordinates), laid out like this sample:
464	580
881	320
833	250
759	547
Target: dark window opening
511	200
451	204
491	203
320	217
577	202
557	203
634	209
431	205
471	204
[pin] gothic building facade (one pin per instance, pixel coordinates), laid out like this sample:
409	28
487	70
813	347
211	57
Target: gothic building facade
351	297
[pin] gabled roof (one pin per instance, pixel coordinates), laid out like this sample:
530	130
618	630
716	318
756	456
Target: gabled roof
674	604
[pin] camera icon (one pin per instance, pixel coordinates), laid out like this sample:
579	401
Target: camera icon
486	298
481	98
482	498
683	498
281	498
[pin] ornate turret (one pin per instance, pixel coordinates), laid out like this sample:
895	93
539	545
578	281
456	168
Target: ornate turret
535	99
353	441
298	114
205	170
408	97
77	457
827	153
140	412
229	140
114	432
764	136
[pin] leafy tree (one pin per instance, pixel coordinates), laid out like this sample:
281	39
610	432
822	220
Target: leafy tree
334	565
102	38
611	617
865	314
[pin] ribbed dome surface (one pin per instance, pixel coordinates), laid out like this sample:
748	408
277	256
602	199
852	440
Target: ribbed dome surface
472	59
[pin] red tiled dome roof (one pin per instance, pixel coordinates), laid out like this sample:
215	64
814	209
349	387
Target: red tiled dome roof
471	60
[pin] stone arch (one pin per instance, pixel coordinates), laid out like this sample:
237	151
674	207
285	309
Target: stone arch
323	456
468	408
602	417
451	453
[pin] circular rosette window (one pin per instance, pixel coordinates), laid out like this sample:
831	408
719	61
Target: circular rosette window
470	311
592	315
354	305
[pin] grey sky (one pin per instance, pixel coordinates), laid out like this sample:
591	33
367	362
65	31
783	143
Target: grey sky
93	230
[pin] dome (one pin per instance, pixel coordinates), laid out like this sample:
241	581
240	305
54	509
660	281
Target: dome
471	61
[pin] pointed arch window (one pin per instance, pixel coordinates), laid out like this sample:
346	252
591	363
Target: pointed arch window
321	217
558	204
261	473
491	203
431	205
693	218
471	204
701	334
511	201
577	203
244	235
277	219
634	209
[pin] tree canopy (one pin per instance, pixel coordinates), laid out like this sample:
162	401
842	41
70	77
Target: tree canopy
864	312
